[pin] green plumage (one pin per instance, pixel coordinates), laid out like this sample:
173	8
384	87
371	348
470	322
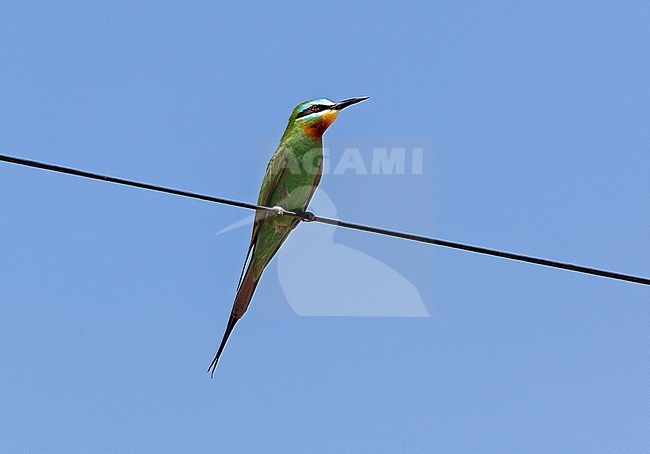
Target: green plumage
290	184
291	178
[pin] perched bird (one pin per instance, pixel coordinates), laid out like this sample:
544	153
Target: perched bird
292	175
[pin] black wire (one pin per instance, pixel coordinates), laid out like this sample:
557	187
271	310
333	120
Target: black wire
309	217
135	184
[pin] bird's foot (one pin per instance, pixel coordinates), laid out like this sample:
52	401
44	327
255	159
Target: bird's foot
307	216
279	211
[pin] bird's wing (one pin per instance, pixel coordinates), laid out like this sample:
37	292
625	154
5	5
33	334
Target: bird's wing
274	170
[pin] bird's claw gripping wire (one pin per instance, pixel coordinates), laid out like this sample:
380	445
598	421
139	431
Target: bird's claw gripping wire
279	211
307	216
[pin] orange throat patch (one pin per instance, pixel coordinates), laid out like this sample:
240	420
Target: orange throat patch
316	128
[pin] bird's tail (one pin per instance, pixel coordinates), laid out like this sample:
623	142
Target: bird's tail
242	300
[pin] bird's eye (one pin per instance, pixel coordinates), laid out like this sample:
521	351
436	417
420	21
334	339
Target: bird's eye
315	108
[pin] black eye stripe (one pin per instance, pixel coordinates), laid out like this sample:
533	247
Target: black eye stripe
311	109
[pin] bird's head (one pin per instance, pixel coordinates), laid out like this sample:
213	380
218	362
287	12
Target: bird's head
315	116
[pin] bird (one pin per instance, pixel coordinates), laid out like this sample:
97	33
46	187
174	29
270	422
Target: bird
291	178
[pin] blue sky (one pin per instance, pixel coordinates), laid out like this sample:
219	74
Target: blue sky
533	118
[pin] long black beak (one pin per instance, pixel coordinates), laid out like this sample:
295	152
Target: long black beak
348	102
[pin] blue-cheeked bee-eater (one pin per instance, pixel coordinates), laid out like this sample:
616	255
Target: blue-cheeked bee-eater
291	178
